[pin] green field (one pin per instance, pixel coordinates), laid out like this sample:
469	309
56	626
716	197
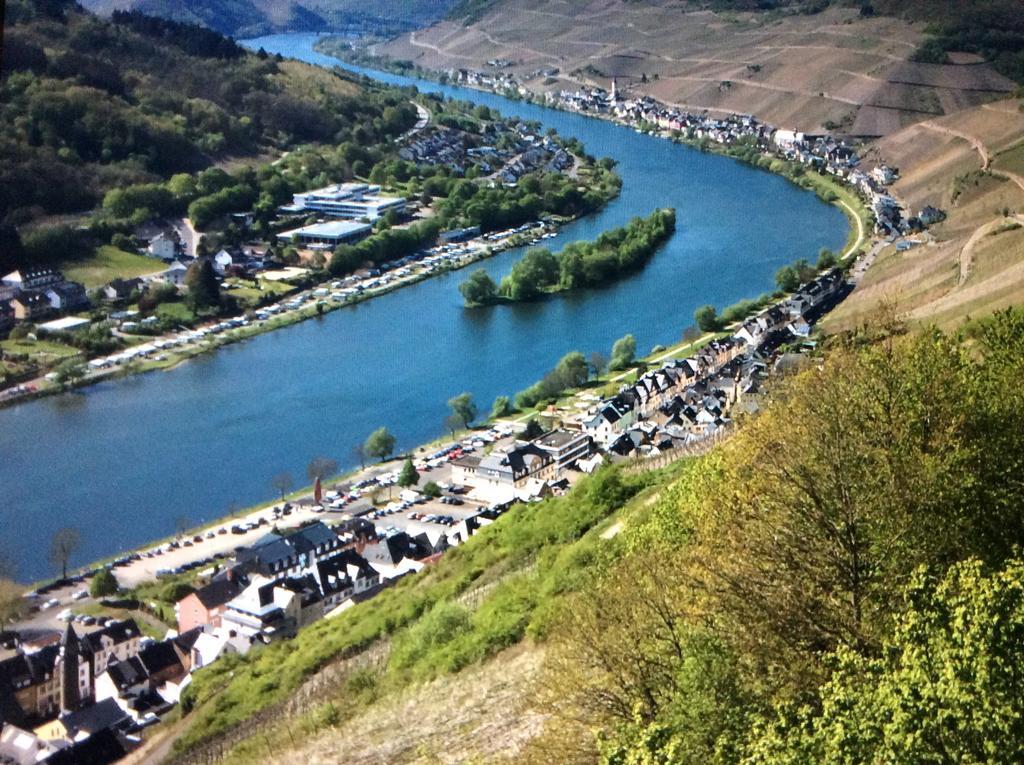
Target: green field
110	263
178	311
37	348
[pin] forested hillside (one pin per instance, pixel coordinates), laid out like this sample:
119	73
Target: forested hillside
88	105
250	18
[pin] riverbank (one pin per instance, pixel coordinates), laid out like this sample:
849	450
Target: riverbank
540	273
825	187
472	251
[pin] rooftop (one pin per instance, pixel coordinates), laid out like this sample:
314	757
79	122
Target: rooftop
339	229
558	438
67	324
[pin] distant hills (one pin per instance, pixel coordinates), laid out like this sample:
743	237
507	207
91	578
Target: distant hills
248	18
88	105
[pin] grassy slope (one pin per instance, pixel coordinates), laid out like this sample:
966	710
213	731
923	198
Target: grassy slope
479	599
109	263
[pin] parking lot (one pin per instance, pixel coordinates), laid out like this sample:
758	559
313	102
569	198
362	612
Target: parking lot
372	494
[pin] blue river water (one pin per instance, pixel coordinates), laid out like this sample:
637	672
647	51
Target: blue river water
122	460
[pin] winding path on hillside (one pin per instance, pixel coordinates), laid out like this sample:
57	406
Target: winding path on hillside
972	140
430	46
967	251
983	152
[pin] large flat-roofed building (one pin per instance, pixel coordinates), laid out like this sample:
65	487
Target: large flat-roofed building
346	200
566	447
327	234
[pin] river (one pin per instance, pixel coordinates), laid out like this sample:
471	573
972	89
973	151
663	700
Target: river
121	460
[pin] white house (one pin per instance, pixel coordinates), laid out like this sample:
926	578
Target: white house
164	247
175	274
222	261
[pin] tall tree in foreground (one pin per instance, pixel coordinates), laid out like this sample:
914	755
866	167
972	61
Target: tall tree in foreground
65	543
945	687
380	444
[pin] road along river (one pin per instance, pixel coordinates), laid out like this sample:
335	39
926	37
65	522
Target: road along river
122	460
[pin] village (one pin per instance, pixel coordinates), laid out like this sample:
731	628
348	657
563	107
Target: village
821	152
79	684
73	683
136	317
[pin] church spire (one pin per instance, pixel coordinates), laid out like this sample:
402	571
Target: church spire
68	664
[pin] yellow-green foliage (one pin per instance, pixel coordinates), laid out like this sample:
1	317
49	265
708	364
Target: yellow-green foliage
807	543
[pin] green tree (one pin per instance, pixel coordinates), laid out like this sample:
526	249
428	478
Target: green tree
805	272
826	260
787	279
944	688
408	476
598	364
707	319
529	277
203	288
380	444
431	489
70	372
463	408
103	584
502	407
533	430
573	370
623	352
65	543
479	288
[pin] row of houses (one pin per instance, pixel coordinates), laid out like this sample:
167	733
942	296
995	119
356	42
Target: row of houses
85	698
823	152
689	399
679	403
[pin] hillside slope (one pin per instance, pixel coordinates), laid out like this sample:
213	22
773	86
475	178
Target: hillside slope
135	100
251	18
862	555
800	71
969	165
